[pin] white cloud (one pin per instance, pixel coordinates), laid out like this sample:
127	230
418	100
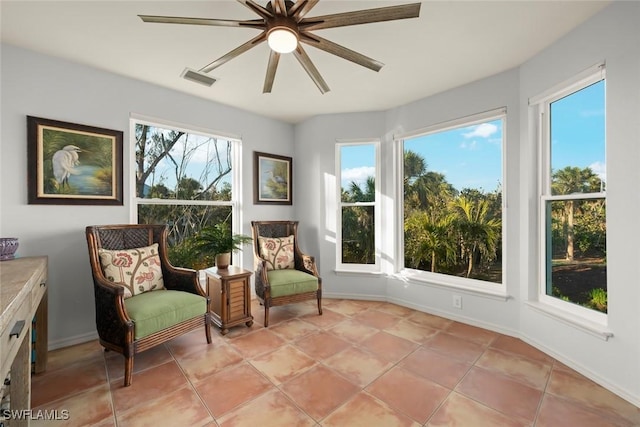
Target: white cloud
472	145
600	169
592	113
359	175
483	130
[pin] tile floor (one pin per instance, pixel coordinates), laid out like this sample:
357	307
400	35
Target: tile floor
359	364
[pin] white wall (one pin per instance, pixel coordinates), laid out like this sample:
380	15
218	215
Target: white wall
37	85
52	88
612	35
320	133
488	94
315	147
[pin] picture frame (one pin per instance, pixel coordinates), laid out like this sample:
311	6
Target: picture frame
273	176
73	164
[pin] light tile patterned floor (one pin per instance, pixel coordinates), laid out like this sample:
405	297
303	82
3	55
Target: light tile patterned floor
359	364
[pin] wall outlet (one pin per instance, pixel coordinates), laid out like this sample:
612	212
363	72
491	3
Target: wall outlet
457	301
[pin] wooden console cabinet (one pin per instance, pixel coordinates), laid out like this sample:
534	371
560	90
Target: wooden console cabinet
230	296
23	295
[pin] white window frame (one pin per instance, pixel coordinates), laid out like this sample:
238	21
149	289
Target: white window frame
236	171
542	103
352	267
497	290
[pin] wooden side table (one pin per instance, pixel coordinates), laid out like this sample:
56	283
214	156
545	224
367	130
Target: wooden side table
230	296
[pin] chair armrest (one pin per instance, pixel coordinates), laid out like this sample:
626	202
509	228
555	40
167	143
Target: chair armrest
261	280
182	279
306	263
112	320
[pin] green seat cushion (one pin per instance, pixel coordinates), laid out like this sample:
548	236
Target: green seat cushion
291	282
154	311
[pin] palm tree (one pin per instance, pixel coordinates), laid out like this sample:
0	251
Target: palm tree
479	232
358	238
424	189
414	166
429	240
433	191
568	181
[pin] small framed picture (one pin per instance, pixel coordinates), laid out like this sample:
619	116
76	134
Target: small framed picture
272	179
72	164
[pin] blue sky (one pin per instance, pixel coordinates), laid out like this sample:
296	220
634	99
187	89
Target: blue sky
358	163
471	157
202	155
468	157
578	130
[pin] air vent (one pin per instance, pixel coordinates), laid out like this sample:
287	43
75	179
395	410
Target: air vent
198	77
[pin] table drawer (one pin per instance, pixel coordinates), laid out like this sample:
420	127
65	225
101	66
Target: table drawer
37	292
10	343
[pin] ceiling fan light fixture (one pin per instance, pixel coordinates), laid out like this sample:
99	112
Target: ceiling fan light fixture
282	40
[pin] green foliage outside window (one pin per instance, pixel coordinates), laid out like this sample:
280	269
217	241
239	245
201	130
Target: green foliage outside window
358	228
578	239
447	231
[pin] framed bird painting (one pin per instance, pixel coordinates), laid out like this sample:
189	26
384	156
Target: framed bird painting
73	164
272	179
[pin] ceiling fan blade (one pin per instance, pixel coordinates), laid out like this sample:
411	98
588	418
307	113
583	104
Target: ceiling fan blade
311	69
367	16
301	8
279	7
260	10
235	52
257	23
274	57
341	51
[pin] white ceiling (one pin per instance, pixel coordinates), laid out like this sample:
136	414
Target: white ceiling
450	44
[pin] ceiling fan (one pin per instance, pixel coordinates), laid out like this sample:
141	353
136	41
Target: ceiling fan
284	27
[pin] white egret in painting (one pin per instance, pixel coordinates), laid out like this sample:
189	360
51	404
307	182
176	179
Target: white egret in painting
64	163
276	178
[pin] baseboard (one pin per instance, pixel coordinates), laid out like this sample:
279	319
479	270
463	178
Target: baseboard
69	341
337	295
424	309
593	376
452	316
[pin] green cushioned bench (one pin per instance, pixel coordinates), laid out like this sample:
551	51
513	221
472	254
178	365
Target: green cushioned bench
291	282
157	310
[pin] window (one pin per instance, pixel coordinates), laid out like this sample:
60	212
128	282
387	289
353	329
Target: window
187	179
452	201
573	197
358	213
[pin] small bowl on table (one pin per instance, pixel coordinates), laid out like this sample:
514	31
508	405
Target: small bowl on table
8	248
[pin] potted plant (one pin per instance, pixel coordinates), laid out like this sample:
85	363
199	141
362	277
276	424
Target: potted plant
219	241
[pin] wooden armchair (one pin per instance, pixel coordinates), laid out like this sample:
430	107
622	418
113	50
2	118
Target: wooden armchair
141	299
283	273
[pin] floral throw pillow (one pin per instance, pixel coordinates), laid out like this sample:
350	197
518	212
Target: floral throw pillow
277	251
138	269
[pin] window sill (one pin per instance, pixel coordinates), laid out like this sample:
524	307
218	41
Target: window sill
357	273
497	292
596	329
